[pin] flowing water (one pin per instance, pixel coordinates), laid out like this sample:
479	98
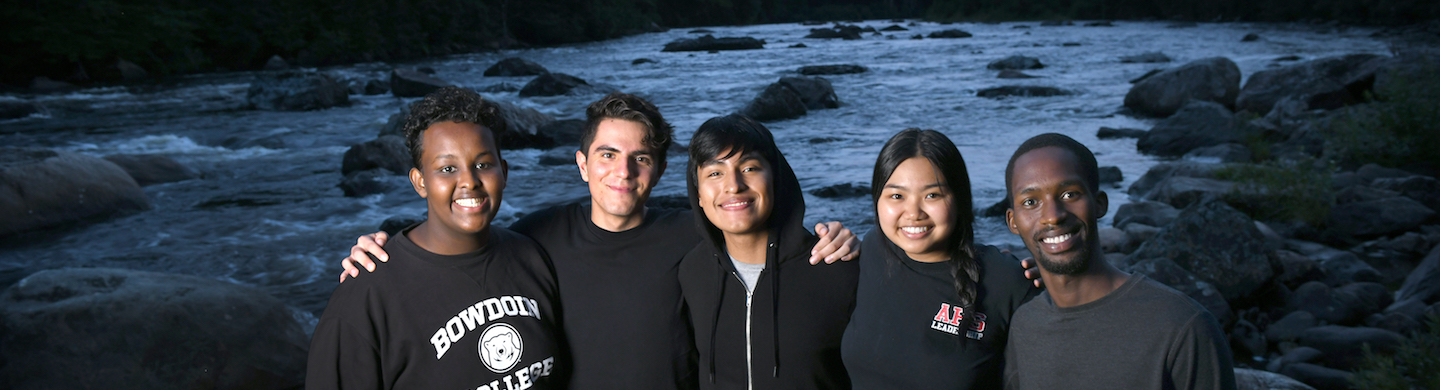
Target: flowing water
267	212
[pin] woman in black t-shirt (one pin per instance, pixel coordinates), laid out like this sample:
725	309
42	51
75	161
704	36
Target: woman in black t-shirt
932	307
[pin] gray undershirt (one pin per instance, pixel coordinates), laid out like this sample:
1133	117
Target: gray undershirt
749	273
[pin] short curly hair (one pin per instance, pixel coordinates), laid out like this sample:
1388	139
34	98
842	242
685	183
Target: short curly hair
449	104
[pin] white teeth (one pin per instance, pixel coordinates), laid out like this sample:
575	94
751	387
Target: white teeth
915	229
736	204
1057	239
468	202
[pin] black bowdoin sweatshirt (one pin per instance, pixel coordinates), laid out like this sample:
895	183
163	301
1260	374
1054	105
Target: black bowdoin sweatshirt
787	336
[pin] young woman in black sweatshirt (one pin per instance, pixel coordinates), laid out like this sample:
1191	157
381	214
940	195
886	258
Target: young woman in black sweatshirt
933	308
764	318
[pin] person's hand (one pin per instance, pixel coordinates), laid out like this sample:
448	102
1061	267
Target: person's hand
1032	270
836	243
360	255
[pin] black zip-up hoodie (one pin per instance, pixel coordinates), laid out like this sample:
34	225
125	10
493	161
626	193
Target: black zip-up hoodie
798	311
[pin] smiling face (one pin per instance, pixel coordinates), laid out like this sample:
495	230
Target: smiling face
734	191
620	171
914	210
461	177
1054	211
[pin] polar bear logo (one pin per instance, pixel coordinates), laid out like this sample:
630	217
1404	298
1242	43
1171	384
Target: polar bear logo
500	347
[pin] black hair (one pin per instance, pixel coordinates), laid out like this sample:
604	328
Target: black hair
1089	169
618	105
449	104
946	158
739	135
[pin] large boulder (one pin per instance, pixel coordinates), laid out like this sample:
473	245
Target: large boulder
1181	192
515	66
792	97
1170	274
386	152
1377	217
1323	83
1215	79
1321	377
1197	124
1015	62
1341	267
1423	284
1021	91
1145	212
149	169
820	70
523	127
1218	244
1248	379
124	329
1160	172
1330	305
296	91
1423	189
413	83
551	84
776	102
41	188
710	42
1343	345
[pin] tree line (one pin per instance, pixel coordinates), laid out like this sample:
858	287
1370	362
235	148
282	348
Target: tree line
82	40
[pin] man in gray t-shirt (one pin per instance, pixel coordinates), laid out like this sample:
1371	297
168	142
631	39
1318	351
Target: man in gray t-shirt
1095	327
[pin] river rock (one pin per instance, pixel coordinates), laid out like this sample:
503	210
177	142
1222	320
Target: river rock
413	83
1394	322
1322	378
639	61
1114	240
500	87
776	102
386	152
551	84
1021	91
1111	175
1103	23
1215	79
1170	274
1013	74
515	66
42	84
565	132
17	109
1362	193
558	157
1056	23
710	42
1296	268
1377	217
129	71
1218	244
1342	345
843	190
1247	339
1113	133
1423	189
1341	267
894	27
1423	284
149	169
1329	305
523	126
41	188
1197	124
1223	153
369	181
1015	62
1147	58
1248	379
951	33
1146	212
841	31
1291	326
815	70
1160	172
1140	232
376	87
125	329
296	91
276	63
1181	192
1366	175
1340	78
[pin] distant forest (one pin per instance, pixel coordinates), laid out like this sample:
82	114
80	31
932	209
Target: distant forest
81	40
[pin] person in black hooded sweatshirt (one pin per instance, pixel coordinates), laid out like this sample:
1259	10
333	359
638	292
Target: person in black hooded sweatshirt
763	317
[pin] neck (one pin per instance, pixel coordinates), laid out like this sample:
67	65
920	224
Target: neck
616	223
1075	290
434	238
747	248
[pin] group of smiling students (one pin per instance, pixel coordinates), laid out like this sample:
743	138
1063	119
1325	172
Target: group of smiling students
608	294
